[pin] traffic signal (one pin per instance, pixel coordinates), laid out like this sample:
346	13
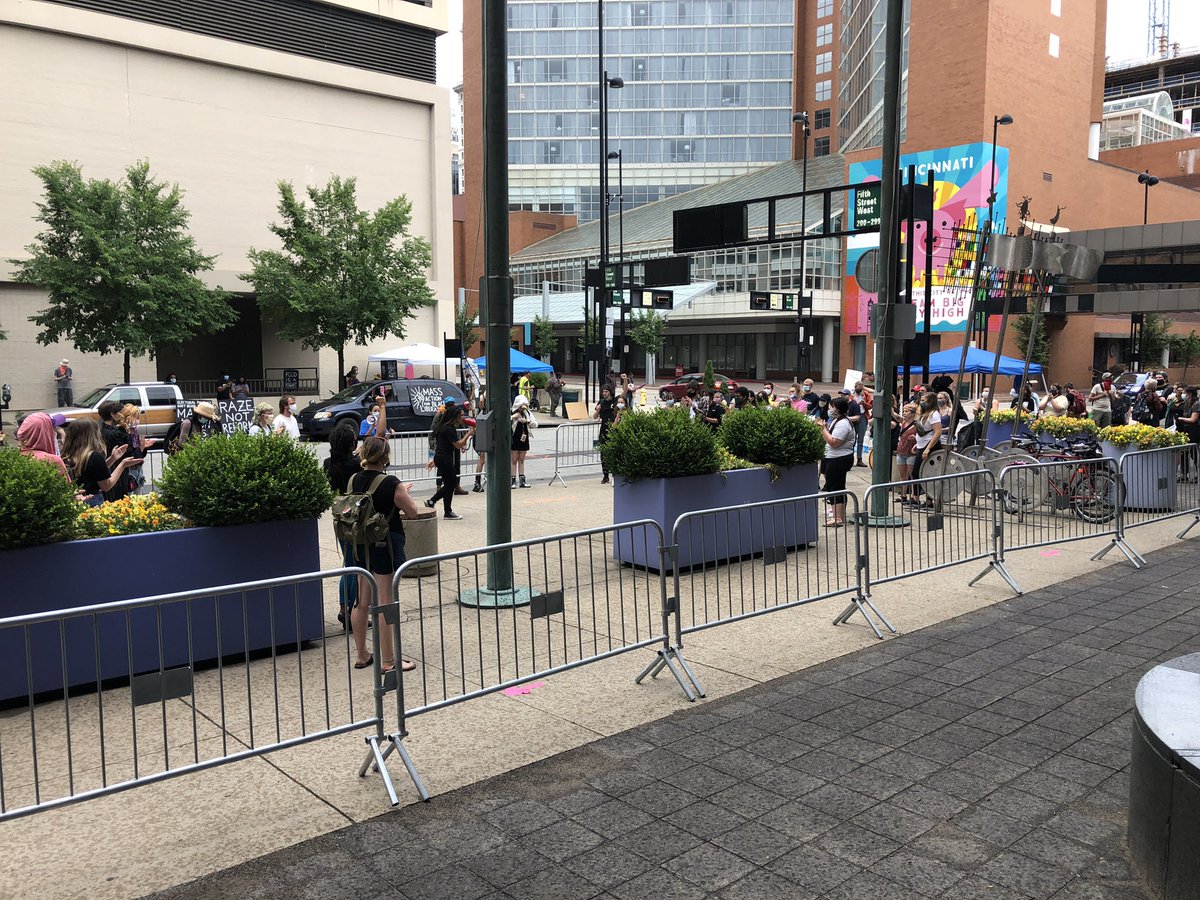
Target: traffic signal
760	301
663	299
789	302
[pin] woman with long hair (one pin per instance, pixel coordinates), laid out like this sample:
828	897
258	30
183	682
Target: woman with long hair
928	427
342	464
906	449
447	455
839	459
520	439
83	451
389	497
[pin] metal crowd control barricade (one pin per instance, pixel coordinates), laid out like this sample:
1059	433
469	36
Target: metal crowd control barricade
575	447
1161	484
151	470
1062	501
410	456
114	696
562	602
736	562
933	523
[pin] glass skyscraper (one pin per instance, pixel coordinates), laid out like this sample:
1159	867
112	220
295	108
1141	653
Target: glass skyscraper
707	96
860	89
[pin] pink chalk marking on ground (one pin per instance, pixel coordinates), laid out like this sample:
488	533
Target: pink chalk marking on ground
1050	553
522	689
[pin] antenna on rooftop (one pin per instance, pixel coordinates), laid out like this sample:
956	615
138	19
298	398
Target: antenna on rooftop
1158	28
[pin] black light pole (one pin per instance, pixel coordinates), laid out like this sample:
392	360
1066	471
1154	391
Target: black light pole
616	154
1148	181
989	227
801	119
616	83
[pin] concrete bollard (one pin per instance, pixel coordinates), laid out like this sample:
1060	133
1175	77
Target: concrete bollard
421	539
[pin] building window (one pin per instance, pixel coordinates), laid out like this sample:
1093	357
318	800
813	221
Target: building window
551	151
822	118
821	146
824	8
824	62
731	94
824	35
824	90
555	69
682	151
641	14
639	69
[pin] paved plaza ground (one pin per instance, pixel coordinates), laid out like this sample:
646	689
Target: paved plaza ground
986	756
162	835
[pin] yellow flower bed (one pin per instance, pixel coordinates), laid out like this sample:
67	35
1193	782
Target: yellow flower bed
1063	426
1003	416
135	514
1144	437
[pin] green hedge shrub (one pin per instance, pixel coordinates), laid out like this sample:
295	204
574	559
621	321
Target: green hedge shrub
37	505
237	479
665	443
767	436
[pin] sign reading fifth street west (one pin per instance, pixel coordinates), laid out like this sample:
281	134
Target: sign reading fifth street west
867	213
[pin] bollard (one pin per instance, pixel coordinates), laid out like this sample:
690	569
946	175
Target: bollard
421	539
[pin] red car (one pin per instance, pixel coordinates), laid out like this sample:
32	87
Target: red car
677	388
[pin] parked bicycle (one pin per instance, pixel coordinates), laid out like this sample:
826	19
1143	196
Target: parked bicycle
1074	480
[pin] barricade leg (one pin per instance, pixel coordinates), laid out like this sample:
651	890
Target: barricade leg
1135	558
997	566
1191	525
670	656
861	603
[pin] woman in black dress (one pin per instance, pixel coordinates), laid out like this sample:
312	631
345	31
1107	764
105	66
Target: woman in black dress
520	439
605	411
91	469
343	463
447	453
390	498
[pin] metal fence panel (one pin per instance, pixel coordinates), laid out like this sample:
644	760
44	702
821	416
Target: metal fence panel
410	456
575	446
1058	502
1161	484
741	561
930	523
110	697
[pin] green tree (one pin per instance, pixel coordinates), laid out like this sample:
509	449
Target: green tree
1041	343
1156	337
710	378
649	331
544	341
464	328
1186	348
344	274
590	332
119	266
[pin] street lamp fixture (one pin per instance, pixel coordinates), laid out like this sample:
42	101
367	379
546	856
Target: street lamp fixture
1149	181
981	336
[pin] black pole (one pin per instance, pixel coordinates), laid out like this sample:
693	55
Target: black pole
889	238
624	352
496	289
929	285
910	246
1146	206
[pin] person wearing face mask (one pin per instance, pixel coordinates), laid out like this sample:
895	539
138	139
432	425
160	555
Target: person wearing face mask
170	379
1101	399
821	413
605	411
240	389
285	422
809	396
35	437
224	387
715	411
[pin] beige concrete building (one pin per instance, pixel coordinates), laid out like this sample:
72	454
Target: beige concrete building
226	100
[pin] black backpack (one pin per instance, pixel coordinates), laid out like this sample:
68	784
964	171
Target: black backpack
171	443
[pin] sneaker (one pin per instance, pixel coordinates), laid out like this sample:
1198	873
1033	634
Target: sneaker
429	503
461	492
478	489
604	480
451	515
523	484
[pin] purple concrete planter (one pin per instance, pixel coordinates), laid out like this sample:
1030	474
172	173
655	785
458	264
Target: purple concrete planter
103	570
725	536
1003	431
1151	479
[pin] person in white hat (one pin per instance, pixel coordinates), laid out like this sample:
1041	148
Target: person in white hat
62	381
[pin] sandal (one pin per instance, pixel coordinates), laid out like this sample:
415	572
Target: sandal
370	660
405	666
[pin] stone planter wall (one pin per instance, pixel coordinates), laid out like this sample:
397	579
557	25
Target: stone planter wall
718	538
76	574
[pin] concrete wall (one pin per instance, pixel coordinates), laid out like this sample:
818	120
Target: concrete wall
224	120
1177	161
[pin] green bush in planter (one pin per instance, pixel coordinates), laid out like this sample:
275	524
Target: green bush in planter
237	479
665	443
37	505
768	436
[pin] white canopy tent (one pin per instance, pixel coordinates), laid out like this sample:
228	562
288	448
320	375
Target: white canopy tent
417	354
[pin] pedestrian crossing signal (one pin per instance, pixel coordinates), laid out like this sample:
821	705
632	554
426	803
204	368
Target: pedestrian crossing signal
760	300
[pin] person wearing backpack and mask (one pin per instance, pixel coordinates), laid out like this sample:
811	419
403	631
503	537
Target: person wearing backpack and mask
340	467
369	517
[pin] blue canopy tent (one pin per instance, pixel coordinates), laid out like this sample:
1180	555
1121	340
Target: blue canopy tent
522	362
978	362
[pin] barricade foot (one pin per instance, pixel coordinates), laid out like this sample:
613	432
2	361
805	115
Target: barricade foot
408	764
670	658
861	605
378	757
997	566
1135	558
1183	533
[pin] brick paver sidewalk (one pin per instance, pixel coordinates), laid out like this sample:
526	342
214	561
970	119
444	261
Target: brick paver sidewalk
983	757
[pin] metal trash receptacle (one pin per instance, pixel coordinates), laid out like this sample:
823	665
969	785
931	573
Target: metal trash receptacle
421	539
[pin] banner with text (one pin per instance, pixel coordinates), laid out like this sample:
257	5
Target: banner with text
962	179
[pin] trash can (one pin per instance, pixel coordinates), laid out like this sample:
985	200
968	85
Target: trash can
421	539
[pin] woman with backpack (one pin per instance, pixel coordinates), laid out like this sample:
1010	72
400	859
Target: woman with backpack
340	467
390	500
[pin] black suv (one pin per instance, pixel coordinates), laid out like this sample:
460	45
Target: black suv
412	403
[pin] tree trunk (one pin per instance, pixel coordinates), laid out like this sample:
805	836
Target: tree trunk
127	367
341	351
